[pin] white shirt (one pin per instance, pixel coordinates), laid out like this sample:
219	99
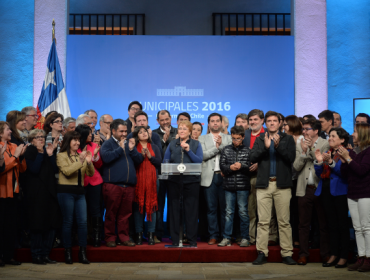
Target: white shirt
311	180
217	159
164	132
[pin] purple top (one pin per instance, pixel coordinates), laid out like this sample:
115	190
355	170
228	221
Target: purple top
358	174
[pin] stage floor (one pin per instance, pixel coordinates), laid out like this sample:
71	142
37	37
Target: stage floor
158	253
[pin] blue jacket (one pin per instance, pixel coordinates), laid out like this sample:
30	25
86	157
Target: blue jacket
338	184
119	164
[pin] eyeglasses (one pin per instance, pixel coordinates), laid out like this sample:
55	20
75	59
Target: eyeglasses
285	124
39	137
309	128
108	123
237	139
35	116
57	121
134	109
89	123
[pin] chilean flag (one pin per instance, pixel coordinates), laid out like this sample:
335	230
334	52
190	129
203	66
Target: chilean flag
53	96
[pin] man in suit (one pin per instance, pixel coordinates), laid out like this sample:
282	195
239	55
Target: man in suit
306	186
256	120
211	180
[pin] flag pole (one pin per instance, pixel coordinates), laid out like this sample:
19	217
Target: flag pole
53	32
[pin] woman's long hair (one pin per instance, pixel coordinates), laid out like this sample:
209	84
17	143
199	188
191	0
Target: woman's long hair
68	137
135	134
363	135
14	117
84	130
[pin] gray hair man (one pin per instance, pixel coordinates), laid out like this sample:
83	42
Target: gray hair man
69	124
84	119
31	119
94	118
104	131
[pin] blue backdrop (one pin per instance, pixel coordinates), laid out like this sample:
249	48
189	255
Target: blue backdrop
197	74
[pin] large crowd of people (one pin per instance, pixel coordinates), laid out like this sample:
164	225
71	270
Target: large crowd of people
273	180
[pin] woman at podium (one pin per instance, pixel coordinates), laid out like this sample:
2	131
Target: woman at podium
182	151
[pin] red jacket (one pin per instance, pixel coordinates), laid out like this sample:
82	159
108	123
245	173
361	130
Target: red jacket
96	179
6	177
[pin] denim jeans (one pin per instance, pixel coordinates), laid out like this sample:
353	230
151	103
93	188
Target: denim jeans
41	243
215	197
241	197
139	220
70	203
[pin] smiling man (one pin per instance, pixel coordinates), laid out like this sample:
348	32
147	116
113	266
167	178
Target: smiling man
274	152
212	145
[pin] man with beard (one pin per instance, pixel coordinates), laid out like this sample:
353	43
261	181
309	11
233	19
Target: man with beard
211	180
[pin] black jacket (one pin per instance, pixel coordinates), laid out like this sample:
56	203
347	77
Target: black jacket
41	190
285	156
172	136
235	180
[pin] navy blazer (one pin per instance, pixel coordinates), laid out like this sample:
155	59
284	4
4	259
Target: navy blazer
338	184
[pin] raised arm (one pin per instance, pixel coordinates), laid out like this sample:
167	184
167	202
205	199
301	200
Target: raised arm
198	156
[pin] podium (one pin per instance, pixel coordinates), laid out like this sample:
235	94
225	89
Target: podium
179	169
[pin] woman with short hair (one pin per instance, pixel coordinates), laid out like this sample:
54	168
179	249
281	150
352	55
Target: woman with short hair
9	194
71	194
146	186
43	211
197	130
332	190
356	165
53	128
184	150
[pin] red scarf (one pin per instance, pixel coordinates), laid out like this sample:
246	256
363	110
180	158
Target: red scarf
146	187
327	170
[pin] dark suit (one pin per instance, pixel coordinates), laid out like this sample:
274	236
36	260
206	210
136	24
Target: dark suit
163	185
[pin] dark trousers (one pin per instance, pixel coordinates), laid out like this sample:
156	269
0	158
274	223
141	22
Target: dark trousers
161	194
202	216
336	210
93	200
306	204
118	202
41	243
191	200
8	227
215	198
294	213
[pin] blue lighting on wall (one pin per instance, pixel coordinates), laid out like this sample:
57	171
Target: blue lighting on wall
348	31
16	55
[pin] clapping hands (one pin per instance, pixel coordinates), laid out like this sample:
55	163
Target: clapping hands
236	166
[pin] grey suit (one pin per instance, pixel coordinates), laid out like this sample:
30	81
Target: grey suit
307	201
209	153
212	184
